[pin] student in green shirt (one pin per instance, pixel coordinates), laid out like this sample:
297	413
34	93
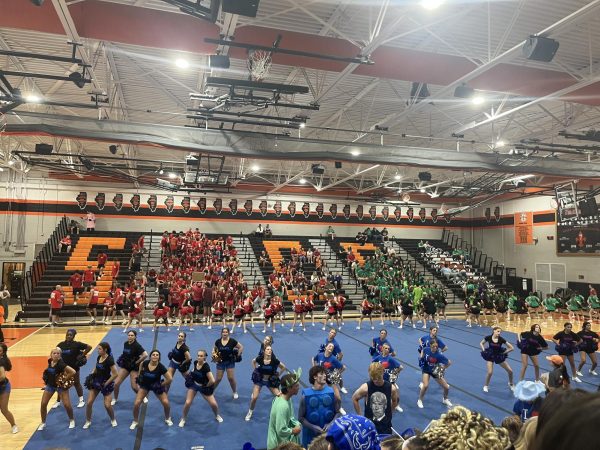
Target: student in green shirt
575	307
533	305
551	304
283	426
594	306
512	304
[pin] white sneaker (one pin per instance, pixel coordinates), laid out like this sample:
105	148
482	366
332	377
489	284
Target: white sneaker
372	328
414	326
249	415
578	373
81	403
358	328
113	423
420	403
235	396
113	402
344	390
71	424
14	429
485	389
291	330
56	405
399	409
593	372
182	423
145	399
41	426
87	424
218	418
169	422
577	379
342	411
210	327
424	326
447	402
323	328
511	386
133	425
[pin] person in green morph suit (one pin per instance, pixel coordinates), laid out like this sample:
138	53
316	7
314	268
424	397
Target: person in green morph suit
594	306
417	295
283	426
551	303
533	305
512	304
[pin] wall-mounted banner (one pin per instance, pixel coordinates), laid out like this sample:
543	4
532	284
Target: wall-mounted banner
248	207
333	210
186	204
434	215
359	212
262	207
233	206
488	214
306	209
218	205
497	213
385	213
100	200
135	202
278	208
373	212
292	209
202	205
320	210
346	211
523	228
398	213
82	200
152	202
169	203
410	213
422	214
118	201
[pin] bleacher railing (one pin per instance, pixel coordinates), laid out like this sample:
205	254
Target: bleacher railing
35	273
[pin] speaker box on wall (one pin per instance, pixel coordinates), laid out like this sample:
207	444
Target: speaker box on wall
540	48
247	8
43	149
338	164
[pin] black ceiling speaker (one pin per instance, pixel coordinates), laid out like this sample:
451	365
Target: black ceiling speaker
318	169
424	176
539	48
112	149
338	164
43	149
464	91
219	62
37	2
247	8
77	78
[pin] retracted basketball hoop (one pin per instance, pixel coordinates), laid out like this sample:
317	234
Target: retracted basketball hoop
259	64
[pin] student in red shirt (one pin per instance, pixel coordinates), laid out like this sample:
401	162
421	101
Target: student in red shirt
76	283
65	244
119	297
115	269
93	303
89	277
102	258
55	301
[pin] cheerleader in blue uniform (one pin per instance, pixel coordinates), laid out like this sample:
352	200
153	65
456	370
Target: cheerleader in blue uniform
334	369
588	346
101	380
179	356
378	343
58	377
433	364
391	368
426	340
151	379
567	344
6	366
531	343
267	370
200	379
227	352
495	353
129	363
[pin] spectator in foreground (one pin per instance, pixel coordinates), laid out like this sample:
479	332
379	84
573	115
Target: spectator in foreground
283	426
353	432
529	399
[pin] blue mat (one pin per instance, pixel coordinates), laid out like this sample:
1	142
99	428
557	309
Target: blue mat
466	377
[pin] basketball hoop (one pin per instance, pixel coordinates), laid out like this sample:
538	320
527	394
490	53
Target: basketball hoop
259	64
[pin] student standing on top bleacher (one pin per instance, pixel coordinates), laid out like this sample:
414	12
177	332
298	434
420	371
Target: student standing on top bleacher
90	221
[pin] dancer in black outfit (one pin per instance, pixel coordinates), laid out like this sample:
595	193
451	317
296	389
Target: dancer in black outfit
531	343
567	344
101	381
267	369
179	357
58	377
74	354
496	352
228	352
129	363
6	366
200	379
151	379
588	346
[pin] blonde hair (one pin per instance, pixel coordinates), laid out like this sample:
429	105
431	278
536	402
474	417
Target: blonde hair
376	371
527	434
462	429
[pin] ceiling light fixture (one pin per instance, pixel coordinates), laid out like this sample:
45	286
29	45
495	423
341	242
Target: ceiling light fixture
302	181
397	177
182	63
302	125
431	4
11	162
500	143
422	190
255	168
355	153
478	100
32	98
172	175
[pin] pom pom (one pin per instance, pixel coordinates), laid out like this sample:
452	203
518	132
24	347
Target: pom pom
81	361
89	382
274	381
170	355
185	366
372	351
189	381
63	381
256	376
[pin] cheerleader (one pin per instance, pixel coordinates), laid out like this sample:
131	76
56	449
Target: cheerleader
407	310
129	362
331	309
298	305
575	306
501	306
161	312
5	388
267	370
391	367
228	351
566	344
74	355
531	343
58	377
238	316
150	380
277	307
366	310
588	346
425	341
551	304
429	310
340	302
433	364
200	379
186	311
387	309
533	305
248	305
379	342
101	380
593	306
309	307
488	308
134	306
269	313
108	309
334	368
496	353
512	304
179	356
473	306
268	340
440	304
218	313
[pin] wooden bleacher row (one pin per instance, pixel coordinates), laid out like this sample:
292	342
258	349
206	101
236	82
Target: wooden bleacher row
273	249
356	249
